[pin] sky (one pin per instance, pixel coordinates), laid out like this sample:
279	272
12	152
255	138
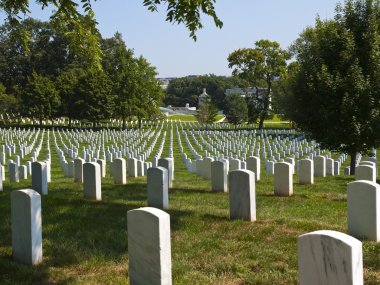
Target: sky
169	47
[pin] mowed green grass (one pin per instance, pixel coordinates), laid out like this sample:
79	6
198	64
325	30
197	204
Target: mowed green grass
189	118
85	242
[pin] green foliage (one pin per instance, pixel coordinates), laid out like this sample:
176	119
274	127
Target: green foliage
41	99
66	83
206	113
236	109
282	92
8	103
187	12
127	84
336	93
94	100
80	27
187	89
260	67
134	82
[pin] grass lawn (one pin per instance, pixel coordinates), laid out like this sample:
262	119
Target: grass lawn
85	242
186	118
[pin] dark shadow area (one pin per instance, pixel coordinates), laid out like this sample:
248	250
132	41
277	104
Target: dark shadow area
215	218
76	230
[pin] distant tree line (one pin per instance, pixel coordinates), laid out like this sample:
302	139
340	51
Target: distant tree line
48	78
187	89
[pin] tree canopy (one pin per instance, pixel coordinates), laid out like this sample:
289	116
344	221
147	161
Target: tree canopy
125	86
335	94
236	109
79	19
259	66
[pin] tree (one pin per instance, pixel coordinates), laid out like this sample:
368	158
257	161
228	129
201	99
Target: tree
95	100
282	93
134	82
236	109
40	99
8	104
336	92
206	114
120	65
149	94
260	65
66	84
85	38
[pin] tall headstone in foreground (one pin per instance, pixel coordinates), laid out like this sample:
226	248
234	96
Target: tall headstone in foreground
241	184
119	171
149	247
306	171
219	176
283	179
26	226
92	181
363	210
253	164
39	177
158	194
329	257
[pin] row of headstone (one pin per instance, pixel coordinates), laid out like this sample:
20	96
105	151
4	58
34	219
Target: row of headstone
325	257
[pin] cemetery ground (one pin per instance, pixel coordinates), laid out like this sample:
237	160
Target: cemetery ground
85	241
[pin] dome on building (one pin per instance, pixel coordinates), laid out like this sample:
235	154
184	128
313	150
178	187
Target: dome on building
204	97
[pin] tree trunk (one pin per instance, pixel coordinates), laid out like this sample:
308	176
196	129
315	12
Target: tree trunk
353	162
261	123
40	120
69	122
124	124
140	121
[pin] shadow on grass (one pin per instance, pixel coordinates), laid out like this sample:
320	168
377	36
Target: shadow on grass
213	218
191	191
76	232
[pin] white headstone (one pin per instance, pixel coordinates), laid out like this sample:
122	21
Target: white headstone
253	164
365	172
78	169
168	164
329	257
157	180
39	177
283	179
363	210
219	176
149	247
92	182
306	171
320	166
26	226
241	184
119	171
